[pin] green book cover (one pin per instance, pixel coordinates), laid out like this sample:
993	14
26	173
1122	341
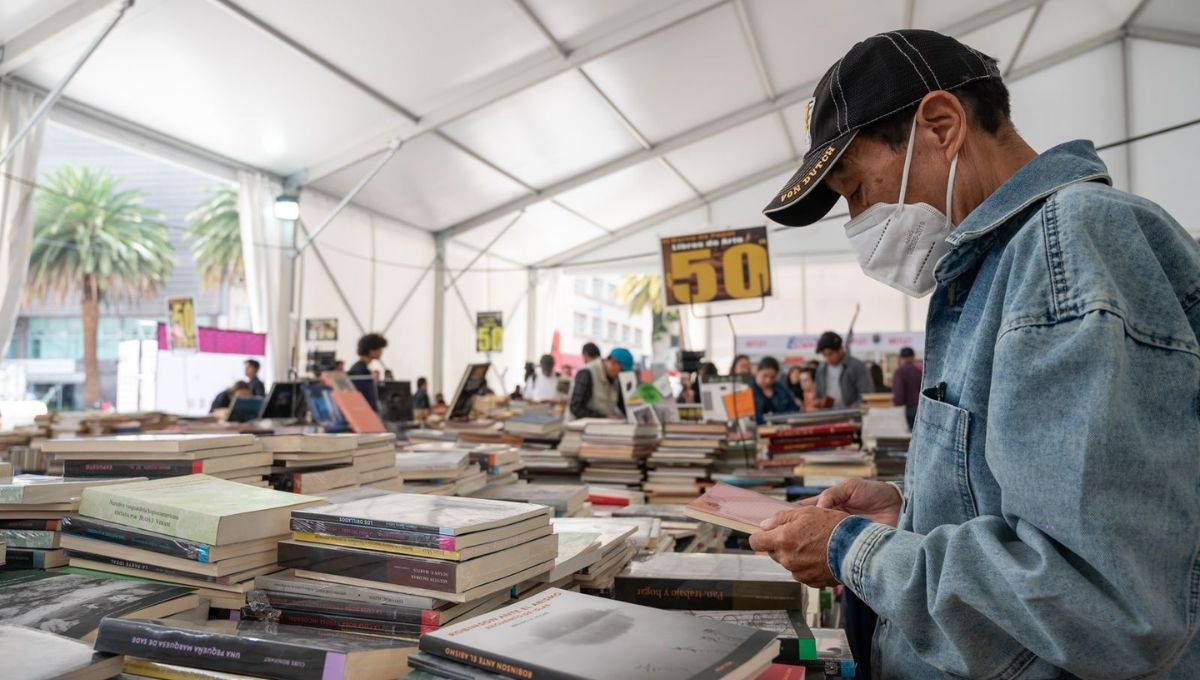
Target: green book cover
196	507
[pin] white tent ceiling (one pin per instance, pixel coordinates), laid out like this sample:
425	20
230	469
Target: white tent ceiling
570	125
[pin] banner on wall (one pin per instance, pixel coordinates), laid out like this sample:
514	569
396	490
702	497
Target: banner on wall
734	264
182	333
781	346
321	330
489	332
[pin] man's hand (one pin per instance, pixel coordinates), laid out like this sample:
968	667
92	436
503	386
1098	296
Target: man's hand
877	501
799	540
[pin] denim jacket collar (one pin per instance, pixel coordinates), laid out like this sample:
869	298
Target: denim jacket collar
1061	166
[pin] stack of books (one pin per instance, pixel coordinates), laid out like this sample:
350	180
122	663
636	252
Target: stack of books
577	551
885	433
621	540
567	500
823	469
788	445
562	634
572	439
458	555
550	465
312	463
500	462
32	510
197	531
680	468
238	458
375	458
616	452
161	648
710	582
536	426
433	469
690	535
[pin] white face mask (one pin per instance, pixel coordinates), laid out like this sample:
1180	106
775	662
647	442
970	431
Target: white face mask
900	244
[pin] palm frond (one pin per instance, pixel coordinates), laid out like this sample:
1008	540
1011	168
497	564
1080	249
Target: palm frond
215	232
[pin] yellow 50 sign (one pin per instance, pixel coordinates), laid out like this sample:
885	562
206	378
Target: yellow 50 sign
724	265
489	332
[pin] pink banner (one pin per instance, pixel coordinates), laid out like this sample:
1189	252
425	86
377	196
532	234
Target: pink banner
217	341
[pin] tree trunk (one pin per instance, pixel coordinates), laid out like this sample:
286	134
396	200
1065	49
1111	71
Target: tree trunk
92	393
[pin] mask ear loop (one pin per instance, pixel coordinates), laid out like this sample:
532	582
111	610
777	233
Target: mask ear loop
912	137
950	192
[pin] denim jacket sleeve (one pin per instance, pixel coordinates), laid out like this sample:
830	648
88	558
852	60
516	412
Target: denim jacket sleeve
1090	562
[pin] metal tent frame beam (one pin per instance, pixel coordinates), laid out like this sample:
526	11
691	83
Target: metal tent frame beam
33	42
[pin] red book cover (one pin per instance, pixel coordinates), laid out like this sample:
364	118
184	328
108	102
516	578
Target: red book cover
779	671
357	412
810	445
739	509
815	430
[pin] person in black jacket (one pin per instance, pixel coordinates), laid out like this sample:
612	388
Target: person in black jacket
257	388
370	348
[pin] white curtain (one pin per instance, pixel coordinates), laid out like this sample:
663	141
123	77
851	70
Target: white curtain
266	249
17	177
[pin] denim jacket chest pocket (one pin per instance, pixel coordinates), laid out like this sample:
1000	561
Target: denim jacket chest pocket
939	479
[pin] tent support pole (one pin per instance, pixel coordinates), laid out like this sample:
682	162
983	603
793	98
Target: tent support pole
53	95
439	312
337	288
411	292
337	209
531	321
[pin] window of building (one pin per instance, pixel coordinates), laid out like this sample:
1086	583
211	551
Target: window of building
580	286
597	288
580	322
612	291
626	333
637	337
612	330
596	327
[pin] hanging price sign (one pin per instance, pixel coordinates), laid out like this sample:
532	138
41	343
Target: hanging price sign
489	332
720	265
182	333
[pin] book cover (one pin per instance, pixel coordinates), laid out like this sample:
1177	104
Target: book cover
73	605
308	443
33	558
153	468
354	624
29	538
41	655
172	573
365	610
461	555
197	507
271	650
802	431
564	498
40	489
562	634
735	508
797	643
357	412
88	527
286	582
420	513
148	443
712	582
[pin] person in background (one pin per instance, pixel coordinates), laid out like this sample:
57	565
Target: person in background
517	394
388	375
257	388
590	352
808	388
568	372
421	396
842	380
794	382
440	407
906	384
771	395
741	366
370	348
690	389
708	370
813	365
339	365
876	372
225	398
597	393
542	386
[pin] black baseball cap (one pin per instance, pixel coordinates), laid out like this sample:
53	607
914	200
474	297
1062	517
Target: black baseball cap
878	77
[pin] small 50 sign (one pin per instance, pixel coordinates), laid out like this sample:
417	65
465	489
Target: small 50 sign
721	265
489	332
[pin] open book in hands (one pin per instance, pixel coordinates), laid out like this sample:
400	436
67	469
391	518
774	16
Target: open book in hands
736	508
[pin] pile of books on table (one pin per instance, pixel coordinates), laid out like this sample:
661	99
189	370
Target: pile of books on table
312	463
441	469
710	582
539	426
689	535
680	467
885	433
430	559
550	465
238	458
199	531
32	511
620	541
616	452
567	500
501	463
375	458
558	633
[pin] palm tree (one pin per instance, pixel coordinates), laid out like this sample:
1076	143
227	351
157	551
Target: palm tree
95	240
216	236
645	292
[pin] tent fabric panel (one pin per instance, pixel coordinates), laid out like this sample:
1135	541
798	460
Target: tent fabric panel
733	154
1171	15
1063	23
628	195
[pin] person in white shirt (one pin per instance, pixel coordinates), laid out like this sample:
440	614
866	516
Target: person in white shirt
543	385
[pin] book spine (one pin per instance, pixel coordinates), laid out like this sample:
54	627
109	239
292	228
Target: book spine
351	624
369	522
702	594
131	468
521	669
380	546
363	610
17	538
815	430
321	589
102	503
397	570
19	558
414	538
31	524
11	493
164	545
182	647
151	568
828	443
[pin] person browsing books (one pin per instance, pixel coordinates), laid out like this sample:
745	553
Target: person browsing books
906	384
1049	526
770	395
596	393
370	349
842	380
224	398
420	398
542	386
257	388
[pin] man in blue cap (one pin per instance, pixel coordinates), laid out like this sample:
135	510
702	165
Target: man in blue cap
597	393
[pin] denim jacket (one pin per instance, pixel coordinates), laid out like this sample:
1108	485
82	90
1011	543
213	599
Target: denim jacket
1052	499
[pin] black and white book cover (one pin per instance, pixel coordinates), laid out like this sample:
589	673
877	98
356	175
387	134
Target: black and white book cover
704	581
449	515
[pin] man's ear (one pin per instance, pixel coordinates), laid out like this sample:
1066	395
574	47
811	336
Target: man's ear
943	120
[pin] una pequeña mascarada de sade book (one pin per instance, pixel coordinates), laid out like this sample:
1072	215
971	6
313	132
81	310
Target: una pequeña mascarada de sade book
197	508
707	581
276	651
561	635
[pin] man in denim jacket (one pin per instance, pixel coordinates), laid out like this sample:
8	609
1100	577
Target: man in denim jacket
1049	522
